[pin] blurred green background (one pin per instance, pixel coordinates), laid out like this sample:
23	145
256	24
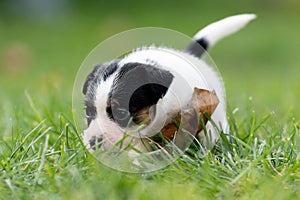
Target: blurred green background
42	44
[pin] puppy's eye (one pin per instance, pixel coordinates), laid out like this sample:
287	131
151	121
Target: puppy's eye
121	114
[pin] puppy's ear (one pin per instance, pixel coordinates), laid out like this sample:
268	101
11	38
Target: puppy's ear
100	73
157	82
90	78
145	84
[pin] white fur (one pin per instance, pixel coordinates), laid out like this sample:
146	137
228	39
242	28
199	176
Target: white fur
220	29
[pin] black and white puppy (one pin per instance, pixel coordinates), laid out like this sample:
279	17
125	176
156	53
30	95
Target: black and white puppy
157	80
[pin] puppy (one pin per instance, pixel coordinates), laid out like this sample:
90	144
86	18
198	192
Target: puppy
156	82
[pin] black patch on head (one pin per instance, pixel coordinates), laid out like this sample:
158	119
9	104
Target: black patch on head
136	86
197	47
109	70
100	73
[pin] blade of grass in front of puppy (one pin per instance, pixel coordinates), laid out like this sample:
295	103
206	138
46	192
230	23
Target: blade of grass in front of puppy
203	126
121	141
128	145
222	134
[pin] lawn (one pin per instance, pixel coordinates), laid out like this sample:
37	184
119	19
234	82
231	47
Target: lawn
41	156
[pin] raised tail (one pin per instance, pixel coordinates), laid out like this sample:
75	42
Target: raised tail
212	33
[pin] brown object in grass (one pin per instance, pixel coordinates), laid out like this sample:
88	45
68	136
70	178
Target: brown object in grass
202	101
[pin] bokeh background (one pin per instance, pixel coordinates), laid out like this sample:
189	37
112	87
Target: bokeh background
42	45
43	42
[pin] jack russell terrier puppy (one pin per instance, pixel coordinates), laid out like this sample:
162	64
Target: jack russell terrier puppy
157	82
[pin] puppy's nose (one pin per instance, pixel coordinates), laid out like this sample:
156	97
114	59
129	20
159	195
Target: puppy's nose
95	142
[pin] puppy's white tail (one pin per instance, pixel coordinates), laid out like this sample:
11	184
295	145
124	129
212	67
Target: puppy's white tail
212	33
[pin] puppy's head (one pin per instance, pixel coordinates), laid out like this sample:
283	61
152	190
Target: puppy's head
118	96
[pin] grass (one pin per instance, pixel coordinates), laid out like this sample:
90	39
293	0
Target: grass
41	155
44	158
